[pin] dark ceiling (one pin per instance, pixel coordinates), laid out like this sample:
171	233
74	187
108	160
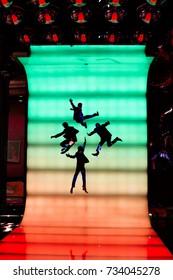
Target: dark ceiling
39	22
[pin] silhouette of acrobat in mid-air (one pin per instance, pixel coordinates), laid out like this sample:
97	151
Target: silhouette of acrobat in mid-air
105	136
78	114
80	166
69	133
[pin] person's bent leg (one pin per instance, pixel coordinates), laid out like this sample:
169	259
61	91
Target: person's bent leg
86	117
116	140
99	147
81	121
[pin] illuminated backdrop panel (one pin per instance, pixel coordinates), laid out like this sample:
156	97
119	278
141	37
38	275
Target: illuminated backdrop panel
108	79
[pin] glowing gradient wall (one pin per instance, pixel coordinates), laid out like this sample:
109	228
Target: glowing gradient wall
108	79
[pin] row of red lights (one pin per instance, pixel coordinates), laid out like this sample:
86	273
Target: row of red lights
43	3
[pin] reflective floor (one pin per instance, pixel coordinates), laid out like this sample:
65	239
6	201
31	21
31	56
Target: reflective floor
84	227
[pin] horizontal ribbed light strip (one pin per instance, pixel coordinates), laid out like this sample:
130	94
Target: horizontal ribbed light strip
114	158
119	108
133	133
98	183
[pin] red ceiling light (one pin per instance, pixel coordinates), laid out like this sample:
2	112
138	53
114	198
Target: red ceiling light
81	18
13	16
114	14
40	3
148	14
152	2
114	2
147	17
43	3
141	37
26	36
78	3
53	35
82	36
6	3
112	37
81	14
47	16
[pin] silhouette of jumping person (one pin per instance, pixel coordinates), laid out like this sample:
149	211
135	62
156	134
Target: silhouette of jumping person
105	136
69	133
78	114
80	166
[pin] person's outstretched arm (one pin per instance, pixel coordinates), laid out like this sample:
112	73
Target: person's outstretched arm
106	123
91	133
72	104
70	156
57	135
84	143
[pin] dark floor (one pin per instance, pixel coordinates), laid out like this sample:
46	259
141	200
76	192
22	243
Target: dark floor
161	218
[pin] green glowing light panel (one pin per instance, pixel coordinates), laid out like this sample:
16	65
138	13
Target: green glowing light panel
109	79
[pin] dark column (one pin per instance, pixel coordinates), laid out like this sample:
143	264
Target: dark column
4	85
4	89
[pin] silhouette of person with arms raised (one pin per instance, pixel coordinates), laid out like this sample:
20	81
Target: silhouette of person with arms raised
105	136
69	133
80	166
78	114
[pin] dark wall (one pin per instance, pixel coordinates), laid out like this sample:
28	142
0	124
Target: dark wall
160	132
16	132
